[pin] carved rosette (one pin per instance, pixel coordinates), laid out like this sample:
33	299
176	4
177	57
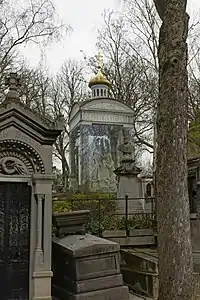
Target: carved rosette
18	158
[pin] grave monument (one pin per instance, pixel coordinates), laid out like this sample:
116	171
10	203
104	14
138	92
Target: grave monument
96	130
25	199
128	181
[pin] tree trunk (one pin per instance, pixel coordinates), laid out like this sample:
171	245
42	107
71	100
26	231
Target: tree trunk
174	243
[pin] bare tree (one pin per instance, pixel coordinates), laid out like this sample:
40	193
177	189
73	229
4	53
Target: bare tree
52	97
29	22
173	220
23	22
133	80
67	88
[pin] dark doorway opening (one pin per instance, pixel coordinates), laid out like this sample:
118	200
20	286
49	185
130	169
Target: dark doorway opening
15	204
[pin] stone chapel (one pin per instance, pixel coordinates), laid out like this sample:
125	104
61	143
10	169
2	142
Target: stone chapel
26	178
96	128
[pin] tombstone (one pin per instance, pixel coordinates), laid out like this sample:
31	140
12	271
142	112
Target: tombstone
128	181
85	266
25	199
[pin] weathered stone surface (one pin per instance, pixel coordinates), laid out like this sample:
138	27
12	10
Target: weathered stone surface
134	297
86	245
97	283
97	165
141	232
87	267
118	293
114	233
130	185
134	241
72	222
140	261
97	266
132	233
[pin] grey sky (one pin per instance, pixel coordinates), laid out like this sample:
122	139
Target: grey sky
85	17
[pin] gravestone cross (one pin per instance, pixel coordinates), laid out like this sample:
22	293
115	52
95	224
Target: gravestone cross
13	82
100	60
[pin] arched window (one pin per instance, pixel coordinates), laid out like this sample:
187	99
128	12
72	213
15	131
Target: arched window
94	93
97	92
101	92
105	92
148	190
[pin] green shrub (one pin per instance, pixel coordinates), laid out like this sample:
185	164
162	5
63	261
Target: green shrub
137	221
103	209
103	212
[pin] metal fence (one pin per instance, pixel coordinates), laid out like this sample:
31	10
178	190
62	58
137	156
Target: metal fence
110	213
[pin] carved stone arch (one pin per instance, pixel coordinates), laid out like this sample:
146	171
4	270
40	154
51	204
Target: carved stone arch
18	158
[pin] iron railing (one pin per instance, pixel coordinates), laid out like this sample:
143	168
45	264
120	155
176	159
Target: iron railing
109	213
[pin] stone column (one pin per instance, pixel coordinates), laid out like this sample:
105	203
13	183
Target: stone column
39	254
43	219
73	176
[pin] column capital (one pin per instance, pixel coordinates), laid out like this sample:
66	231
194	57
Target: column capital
42	178
42	183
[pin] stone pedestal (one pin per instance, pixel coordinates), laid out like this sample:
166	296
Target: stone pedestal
129	185
87	268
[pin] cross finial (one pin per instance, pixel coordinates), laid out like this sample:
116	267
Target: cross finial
13	82
100	60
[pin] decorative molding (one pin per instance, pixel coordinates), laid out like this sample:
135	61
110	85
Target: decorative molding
109	117
107	105
19	158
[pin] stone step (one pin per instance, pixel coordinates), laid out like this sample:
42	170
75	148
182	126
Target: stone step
137	297
116	293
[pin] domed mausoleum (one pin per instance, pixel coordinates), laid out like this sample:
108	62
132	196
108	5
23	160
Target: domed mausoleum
96	130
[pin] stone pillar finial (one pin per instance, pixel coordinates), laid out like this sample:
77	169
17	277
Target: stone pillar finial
13	81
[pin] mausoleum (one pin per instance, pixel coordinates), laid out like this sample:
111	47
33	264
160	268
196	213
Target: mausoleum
96	130
26	179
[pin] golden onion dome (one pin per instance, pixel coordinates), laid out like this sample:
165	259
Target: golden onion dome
99	78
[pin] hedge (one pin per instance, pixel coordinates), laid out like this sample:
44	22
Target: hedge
103	212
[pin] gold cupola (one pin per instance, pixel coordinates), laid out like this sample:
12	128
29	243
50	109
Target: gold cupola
99	84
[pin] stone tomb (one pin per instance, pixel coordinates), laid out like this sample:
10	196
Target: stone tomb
87	268
25	199
96	129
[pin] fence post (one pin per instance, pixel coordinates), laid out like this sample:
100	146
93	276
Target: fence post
126	216
99	212
72	204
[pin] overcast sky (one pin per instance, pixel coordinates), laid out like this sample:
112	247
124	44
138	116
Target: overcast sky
85	17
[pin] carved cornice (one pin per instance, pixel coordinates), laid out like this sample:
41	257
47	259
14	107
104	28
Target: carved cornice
16	114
